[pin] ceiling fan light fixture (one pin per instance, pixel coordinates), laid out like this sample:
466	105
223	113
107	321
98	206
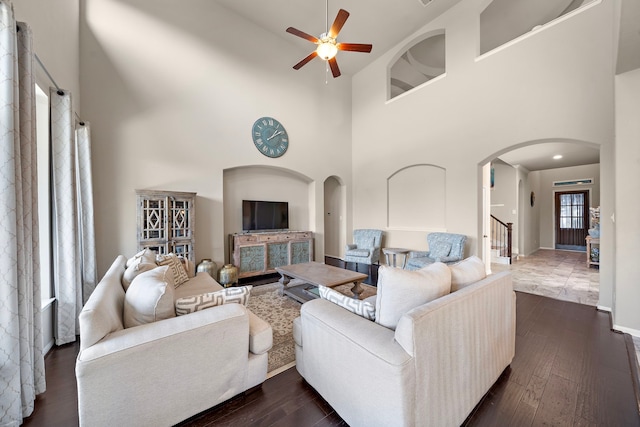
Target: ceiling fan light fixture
327	48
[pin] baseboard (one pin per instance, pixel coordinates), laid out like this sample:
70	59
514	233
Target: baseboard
48	347
630	331
603	308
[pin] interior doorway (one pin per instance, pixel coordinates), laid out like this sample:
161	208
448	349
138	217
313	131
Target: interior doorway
334	214
571	219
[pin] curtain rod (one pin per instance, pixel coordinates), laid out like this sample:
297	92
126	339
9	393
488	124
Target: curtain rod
59	91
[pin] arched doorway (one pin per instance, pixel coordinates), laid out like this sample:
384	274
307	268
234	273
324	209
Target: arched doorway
531	189
334	217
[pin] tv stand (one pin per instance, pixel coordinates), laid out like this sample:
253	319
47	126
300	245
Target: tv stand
260	253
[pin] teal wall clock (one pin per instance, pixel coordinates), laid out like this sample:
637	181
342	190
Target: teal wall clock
270	137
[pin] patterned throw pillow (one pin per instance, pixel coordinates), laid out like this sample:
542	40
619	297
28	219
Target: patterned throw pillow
195	303
179	273
361	308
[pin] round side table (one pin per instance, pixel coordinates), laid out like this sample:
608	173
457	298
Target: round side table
394	252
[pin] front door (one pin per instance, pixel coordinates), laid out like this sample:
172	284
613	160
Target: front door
572	219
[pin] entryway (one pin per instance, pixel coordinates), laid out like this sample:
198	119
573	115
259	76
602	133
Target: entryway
571	219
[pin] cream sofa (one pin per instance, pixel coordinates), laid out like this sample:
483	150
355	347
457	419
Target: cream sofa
164	372
432	370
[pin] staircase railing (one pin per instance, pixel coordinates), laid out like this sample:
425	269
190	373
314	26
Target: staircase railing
501	237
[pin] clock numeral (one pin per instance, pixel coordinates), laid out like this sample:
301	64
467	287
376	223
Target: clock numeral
282	147
265	148
264	122
284	140
271	152
259	141
270	122
257	133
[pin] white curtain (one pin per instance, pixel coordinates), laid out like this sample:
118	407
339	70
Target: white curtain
21	359
85	209
74	260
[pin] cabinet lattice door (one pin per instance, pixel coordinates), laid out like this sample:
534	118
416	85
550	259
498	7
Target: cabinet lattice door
166	222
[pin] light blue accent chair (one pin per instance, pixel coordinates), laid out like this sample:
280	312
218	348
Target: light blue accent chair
443	247
365	248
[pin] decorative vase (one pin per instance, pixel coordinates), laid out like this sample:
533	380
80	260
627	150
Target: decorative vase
208	266
228	275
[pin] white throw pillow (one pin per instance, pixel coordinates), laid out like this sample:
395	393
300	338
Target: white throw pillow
400	291
466	272
361	308
179	273
145	255
149	298
137	266
195	303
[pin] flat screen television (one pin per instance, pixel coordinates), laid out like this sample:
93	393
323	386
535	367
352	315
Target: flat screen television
260	215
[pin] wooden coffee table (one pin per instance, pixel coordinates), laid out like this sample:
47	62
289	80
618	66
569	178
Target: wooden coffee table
318	274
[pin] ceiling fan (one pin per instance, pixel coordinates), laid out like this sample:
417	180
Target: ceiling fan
328	47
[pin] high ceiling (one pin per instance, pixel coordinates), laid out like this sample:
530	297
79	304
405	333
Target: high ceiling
385	24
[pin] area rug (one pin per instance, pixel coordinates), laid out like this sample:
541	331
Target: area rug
268	303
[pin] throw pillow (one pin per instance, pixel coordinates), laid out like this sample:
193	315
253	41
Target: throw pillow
361	308
440	250
149	297
145	255
179	272
466	272
195	303
400	291
138	266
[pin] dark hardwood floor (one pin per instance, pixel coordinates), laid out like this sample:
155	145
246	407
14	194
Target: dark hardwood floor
570	369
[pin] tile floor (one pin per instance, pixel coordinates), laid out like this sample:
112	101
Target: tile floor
562	275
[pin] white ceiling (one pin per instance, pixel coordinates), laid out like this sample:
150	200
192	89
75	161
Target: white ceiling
540	156
386	23
381	23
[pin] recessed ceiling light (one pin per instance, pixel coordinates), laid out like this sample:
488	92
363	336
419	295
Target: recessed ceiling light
557	157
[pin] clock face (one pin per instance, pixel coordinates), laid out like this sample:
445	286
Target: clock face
270	137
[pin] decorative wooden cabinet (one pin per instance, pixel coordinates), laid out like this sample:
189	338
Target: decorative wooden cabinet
166	222
260	253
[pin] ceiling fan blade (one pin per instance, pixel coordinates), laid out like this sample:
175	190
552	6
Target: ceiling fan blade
334	67
354	47
341	18
305	60
302	34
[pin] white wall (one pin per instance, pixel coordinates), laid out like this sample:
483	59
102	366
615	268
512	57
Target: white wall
552	84
627	206
56	41
173	91
546	195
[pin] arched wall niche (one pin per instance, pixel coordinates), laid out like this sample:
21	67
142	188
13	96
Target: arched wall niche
259	182
416	198
416	63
